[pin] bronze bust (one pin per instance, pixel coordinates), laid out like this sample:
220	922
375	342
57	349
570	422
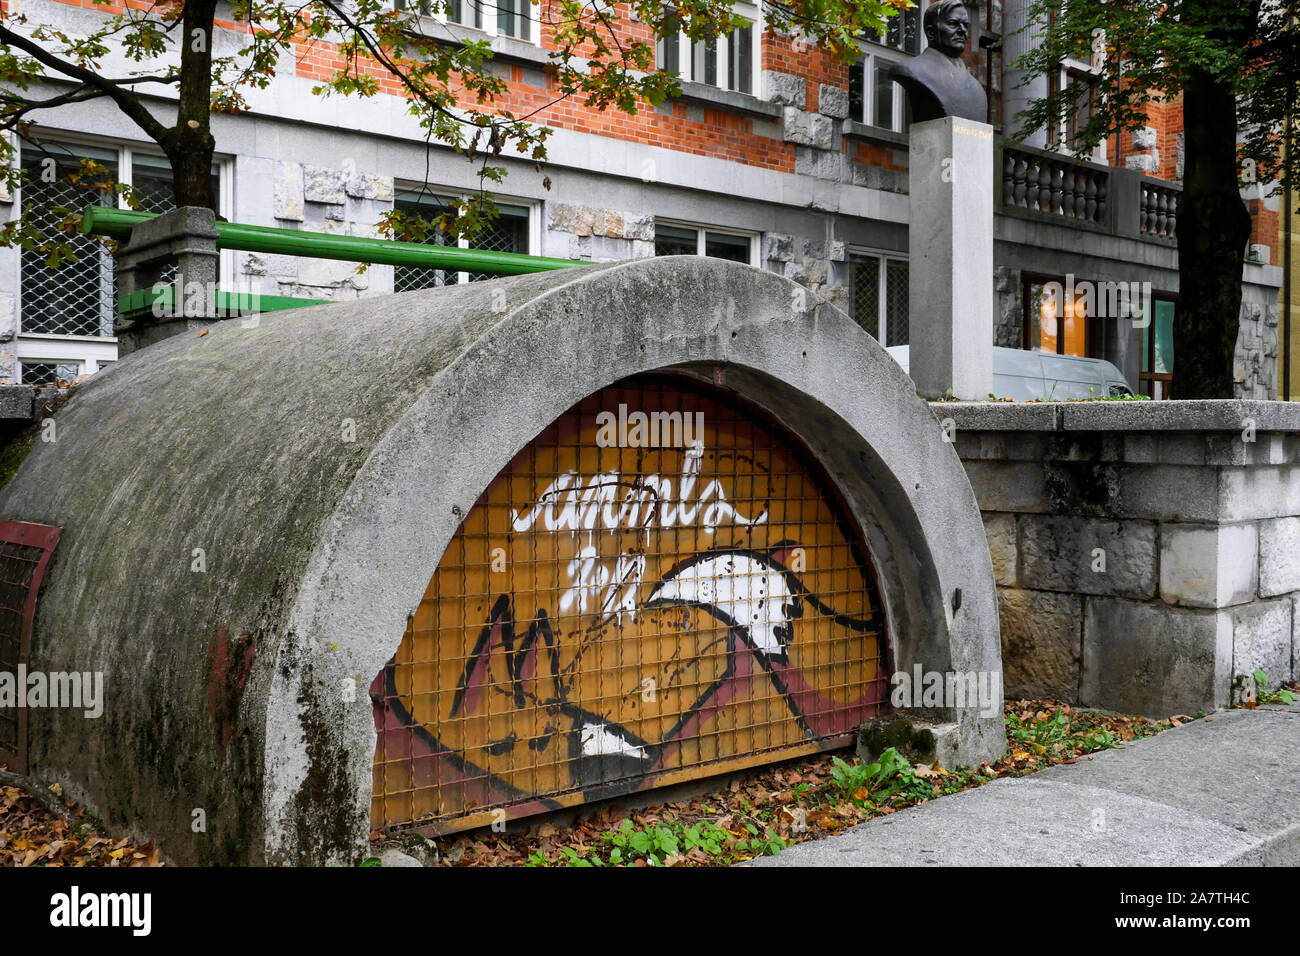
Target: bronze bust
937	82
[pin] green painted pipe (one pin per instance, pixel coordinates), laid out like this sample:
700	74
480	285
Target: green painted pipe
117	224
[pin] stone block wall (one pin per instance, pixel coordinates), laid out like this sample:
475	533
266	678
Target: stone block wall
598	235
1147	555
322	199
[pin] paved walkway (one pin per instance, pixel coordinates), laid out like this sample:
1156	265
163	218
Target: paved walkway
1217	792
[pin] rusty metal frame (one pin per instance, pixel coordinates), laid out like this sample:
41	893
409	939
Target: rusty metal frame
41	539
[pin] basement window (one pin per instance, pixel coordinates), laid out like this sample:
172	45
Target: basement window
878	287
680	239
509	232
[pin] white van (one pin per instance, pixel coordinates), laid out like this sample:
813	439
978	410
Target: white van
1023	375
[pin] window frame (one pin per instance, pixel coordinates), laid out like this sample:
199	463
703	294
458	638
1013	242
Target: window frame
883	257
448	194
489	14
686	56
875	52
1090	323
1060	79
702	231
92	352
1148	378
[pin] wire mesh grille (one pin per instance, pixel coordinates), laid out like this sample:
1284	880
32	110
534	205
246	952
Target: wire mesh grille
75	298
865	281
49	373
896	310
508	233
622	609
24	549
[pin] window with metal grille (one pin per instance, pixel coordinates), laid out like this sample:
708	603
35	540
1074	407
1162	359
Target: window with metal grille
25	551
49	373
78	298
507	233
682	240
75	298
663	585
878	284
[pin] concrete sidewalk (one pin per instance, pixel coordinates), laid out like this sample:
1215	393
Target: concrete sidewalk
1222	792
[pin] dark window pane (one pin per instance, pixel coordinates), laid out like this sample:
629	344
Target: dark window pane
675	241
512	18
857	90
721	246
865	285
896	302
705	53
507	233
742	60
668	53
912	30
1164	330
407	278
884	90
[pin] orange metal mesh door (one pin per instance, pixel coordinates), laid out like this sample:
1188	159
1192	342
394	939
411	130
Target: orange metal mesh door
630	606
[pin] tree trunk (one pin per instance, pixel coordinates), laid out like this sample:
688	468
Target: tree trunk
1213	229
189	145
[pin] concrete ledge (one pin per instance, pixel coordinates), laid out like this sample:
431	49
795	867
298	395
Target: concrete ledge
729	100
1214	793
873	134
1231	415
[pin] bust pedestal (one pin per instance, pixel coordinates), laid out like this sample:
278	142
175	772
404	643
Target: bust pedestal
950	242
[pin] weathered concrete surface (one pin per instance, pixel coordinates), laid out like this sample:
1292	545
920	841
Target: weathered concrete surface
1220	792
322	458
950	284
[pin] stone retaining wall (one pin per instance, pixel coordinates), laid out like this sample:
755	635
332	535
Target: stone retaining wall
1147	555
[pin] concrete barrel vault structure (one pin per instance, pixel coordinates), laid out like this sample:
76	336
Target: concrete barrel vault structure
255	518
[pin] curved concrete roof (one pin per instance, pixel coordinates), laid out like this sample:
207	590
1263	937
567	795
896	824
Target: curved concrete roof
322	458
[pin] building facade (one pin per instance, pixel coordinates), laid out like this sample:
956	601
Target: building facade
775	154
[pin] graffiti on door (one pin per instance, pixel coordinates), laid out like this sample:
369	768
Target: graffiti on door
613	615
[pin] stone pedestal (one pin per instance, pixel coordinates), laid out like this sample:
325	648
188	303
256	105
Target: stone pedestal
179	249
950	241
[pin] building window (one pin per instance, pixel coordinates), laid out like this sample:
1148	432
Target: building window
507	18
1157	375
76	298
509	232
904	33
673	239
74	304
727	62
874	98
1055	319
1083	78
878	285
49	373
